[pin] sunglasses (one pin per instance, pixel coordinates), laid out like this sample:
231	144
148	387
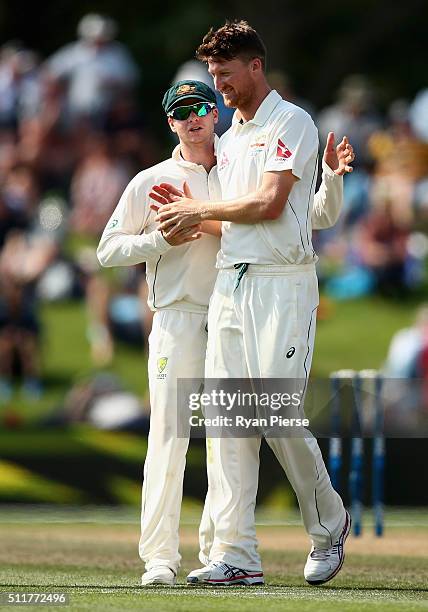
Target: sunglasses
201	109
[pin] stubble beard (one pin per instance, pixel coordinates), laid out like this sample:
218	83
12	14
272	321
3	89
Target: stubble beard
239	100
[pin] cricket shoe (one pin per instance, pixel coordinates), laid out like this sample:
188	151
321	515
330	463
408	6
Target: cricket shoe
161	575
223	574
324	563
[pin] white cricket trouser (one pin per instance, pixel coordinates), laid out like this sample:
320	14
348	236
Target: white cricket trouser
177	346
250	331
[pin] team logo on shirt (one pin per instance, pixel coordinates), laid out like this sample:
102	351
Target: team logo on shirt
282	151
162	361
258	145
113	223
224	161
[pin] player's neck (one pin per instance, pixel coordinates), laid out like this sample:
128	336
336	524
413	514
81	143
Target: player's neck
201	154
248	111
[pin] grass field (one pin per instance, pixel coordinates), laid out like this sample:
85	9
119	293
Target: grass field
92	556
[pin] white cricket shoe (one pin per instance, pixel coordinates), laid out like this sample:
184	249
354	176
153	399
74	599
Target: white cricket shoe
222	574
158	575
324	563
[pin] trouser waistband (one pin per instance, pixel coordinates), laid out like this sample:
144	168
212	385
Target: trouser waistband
270	270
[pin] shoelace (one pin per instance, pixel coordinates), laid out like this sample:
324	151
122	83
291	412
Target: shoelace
227	570
217	564
322	554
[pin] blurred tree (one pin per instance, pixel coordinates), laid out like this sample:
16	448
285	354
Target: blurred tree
319	44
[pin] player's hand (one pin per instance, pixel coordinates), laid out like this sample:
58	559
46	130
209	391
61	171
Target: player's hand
339	158
188	234
165	193
178	215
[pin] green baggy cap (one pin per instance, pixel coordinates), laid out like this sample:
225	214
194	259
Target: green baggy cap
185	90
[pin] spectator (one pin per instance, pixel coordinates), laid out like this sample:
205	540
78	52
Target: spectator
382	249
21	263
46	142
96	68
18	199
406	346
96	186
19	84
131	140
401	164
353	114
419	115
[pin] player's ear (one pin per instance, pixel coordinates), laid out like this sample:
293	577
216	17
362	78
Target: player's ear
215	114
256	64
171	124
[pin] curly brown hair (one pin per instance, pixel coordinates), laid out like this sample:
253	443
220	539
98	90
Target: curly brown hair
236	39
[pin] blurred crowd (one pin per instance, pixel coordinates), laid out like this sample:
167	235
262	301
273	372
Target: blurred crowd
72	135
380	243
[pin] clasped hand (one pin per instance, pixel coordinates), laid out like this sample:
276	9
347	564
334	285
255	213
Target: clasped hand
177	213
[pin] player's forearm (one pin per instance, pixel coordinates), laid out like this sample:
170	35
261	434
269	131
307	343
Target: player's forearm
128	250
328	200
252	208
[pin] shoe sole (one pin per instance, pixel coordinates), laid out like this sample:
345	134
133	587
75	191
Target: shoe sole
344	535
238	581
158	583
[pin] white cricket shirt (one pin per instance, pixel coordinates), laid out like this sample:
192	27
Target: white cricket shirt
179	277
281	136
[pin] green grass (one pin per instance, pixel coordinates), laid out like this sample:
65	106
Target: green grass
357	334
96	563
66	349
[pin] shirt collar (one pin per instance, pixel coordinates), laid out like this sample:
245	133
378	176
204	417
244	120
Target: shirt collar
263	112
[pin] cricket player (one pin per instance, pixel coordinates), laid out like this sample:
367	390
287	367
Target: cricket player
262	315
181	275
